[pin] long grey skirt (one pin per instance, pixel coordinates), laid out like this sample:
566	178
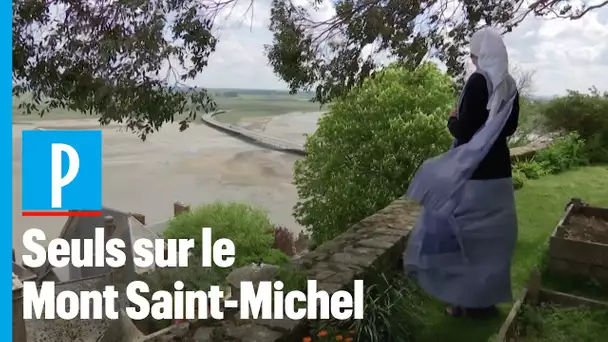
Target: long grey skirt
473	269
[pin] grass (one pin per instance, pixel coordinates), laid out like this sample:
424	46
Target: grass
540	205
547	323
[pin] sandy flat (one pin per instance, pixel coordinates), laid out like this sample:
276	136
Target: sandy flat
290	126
197	166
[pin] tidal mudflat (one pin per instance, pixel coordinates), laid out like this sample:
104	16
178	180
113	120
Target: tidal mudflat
197	166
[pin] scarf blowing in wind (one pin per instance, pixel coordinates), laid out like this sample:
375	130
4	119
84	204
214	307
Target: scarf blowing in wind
461	248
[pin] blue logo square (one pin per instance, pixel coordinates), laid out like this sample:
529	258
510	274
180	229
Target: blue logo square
61	170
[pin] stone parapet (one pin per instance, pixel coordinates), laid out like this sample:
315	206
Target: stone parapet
375	242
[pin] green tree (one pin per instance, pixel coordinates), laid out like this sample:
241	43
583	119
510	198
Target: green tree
328	54
248	227
367	148
585	114
125	60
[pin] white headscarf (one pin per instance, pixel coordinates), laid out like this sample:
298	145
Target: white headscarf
493	59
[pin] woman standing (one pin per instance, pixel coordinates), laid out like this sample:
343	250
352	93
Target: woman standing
461	249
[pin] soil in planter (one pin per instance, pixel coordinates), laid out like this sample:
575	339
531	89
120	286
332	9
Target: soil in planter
587	228
548	323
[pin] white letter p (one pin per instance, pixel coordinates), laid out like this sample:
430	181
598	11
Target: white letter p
57	181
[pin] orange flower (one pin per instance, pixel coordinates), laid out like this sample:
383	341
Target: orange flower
307	339
322	333
339	338
348	339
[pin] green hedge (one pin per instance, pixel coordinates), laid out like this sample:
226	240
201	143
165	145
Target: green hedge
565	153
585	114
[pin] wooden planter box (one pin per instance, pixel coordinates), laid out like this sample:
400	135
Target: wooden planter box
534	294
579	243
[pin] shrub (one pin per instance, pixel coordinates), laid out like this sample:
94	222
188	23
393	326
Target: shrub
564	153
585	114
519	179
272	256
367	148
531	169
597	148
392	309
547	322
284	241
195	277
293	278
248	227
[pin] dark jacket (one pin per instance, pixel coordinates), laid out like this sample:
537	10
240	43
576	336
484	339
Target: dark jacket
473	114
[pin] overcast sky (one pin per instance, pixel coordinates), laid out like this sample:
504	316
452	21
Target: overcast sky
564	54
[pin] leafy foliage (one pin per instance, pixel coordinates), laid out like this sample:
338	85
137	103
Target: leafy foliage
253	237
293	278
284	241
329	53
530	169
519	179
563	154
393	308
197	277
248	227
560	324
368	147
123	60
585	114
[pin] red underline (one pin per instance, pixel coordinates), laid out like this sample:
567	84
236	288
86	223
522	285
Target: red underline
61	213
